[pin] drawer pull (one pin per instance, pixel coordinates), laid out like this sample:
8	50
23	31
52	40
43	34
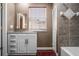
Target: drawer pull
12	51
13	41
12	35
12	46
26	41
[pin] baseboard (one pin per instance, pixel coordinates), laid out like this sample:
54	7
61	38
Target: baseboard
26	54
44	48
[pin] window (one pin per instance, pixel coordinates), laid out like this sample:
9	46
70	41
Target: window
37	19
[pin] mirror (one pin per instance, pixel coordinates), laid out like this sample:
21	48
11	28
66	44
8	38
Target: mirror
21	22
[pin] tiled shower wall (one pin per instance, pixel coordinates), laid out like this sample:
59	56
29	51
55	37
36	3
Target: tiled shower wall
67	32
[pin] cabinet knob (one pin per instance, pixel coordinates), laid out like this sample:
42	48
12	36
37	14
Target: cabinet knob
12	51
12	35
26	41
12	41
12	46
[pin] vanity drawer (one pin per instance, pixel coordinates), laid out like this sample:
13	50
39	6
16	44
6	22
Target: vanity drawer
11	36
12	51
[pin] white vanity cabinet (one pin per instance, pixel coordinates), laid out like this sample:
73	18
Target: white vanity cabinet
24	43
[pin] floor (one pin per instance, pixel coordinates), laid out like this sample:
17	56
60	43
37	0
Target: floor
46	53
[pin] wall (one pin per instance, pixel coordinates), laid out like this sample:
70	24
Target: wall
44	38
68	32
10	15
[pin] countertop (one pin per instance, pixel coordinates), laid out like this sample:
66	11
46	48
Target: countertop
18	32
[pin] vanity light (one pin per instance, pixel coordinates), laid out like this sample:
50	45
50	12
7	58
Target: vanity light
68	13
61	13
11	26
77	13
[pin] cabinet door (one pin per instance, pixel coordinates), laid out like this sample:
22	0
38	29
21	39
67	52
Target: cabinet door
21	43
27	43
32	43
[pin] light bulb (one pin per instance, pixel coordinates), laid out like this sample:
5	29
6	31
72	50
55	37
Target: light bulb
61	13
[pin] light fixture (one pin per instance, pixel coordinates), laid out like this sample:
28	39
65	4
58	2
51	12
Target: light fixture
61	13
68	14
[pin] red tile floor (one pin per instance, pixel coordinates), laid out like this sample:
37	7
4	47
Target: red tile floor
46	53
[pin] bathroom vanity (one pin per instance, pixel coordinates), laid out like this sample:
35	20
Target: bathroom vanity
24	43
22	28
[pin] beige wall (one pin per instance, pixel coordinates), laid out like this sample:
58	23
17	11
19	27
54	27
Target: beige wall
44	39
10	15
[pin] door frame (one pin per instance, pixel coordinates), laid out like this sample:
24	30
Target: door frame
4	30
54	28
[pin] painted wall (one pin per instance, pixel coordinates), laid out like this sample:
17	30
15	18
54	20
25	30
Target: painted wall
10	16
44	38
